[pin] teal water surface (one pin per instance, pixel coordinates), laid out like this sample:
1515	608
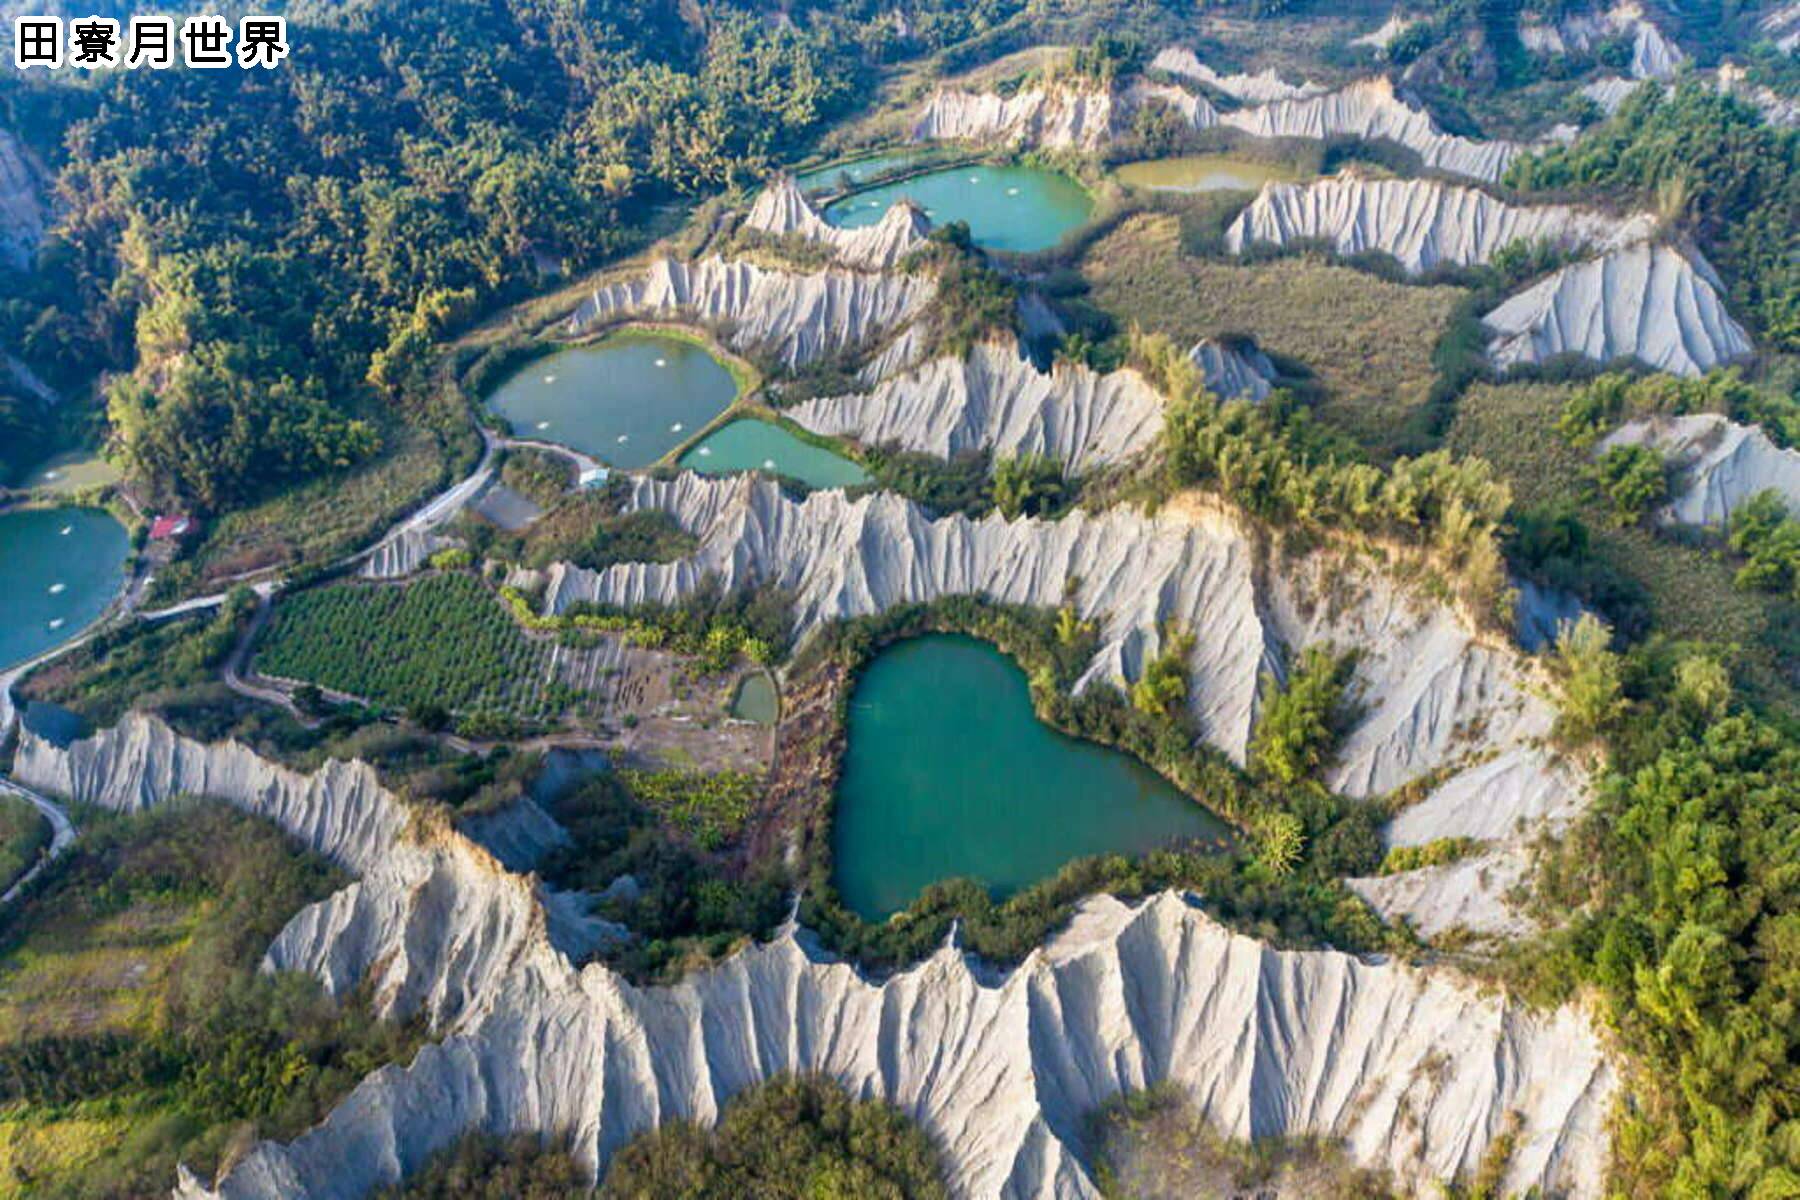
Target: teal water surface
1019	209
949	773
831	178
627	400
752	445
59	569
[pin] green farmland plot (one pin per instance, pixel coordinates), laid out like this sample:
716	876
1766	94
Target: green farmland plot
444	640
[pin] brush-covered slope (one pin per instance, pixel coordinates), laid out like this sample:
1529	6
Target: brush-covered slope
1423	223
782	210
995	399
795	317
1653	303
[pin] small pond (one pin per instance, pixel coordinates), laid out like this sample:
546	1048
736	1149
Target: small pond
1203	173
1020	209
949	773
756	699
59	569
752	445
627	400
831	178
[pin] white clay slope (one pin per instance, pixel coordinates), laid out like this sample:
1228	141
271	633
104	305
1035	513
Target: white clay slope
995	400
1260	88
1369	109
1052	117
1653	55
1423	223
21	203
1233	373
782	210
1412	1071
795	317
1719	464
1652	303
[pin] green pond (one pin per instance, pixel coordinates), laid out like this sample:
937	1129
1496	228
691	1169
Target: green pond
756	700
1203	173
1020	209
59	569
830	178
627	400
948	772
752	445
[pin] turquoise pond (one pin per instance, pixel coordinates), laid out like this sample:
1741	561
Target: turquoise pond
831	178
949	773
752	445
1018	209
627	400
59	569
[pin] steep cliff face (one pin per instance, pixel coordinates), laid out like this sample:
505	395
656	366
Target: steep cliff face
1370	110
1781	25
1233	372
994	399
1653	303
1260	88
1056	117
1719	464
22	213
782	209
1423	223
795	317
1412	1071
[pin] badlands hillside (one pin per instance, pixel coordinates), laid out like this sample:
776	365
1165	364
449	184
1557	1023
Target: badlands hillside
1064	601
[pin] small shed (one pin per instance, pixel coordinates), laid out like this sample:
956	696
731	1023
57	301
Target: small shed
592	478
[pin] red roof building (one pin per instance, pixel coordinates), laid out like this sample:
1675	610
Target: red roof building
167	529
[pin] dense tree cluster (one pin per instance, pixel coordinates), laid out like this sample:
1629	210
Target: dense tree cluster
794	1138
270	255
1713	163
1274	462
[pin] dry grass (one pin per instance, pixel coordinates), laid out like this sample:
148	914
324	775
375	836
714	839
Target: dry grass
35	1147
1690	588
76	975
1367	343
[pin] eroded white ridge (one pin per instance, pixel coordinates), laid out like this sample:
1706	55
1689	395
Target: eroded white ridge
782	209
1653	54
1412	1070
1719	464
795	317
994	399
1260	88
1423	223
1369	109
1653	303
1233	372
22	215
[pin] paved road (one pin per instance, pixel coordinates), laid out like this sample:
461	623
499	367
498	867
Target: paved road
62	833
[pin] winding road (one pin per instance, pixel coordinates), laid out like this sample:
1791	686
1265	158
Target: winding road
62	833
430	515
